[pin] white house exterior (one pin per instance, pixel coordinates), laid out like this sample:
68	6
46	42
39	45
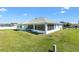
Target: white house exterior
41	25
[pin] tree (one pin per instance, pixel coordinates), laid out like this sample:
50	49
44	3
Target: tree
67	24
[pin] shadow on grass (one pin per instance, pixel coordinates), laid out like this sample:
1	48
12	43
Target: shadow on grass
16	30
33	32
29	31
50	51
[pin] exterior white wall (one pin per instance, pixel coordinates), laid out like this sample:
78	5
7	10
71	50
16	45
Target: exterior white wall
51	31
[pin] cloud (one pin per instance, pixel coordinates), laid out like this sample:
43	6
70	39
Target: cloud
63	11
25	14
3	9
66	8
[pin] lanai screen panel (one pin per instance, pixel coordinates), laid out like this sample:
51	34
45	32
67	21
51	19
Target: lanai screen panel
30	26
40	27
50	26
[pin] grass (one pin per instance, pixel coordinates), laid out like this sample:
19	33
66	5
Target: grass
67	40
23	41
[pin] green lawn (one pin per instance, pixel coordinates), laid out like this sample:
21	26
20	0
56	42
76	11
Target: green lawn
20	41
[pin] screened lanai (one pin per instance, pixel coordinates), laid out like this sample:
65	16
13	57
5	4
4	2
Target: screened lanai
43	25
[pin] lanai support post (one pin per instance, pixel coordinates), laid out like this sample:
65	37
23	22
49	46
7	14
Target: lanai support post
46	29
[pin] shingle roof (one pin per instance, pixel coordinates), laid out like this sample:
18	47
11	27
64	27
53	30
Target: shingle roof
40	20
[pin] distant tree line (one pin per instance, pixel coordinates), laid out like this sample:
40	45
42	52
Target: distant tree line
66	24
69	25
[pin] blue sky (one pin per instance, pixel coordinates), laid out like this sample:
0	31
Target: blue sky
24	14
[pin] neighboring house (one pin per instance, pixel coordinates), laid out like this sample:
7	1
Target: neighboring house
8	26
74	26
22	27
41	25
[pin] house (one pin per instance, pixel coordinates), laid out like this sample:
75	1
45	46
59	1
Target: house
41	25
74	26
22	27
8	26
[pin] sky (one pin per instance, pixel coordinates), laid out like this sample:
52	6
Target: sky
25	14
